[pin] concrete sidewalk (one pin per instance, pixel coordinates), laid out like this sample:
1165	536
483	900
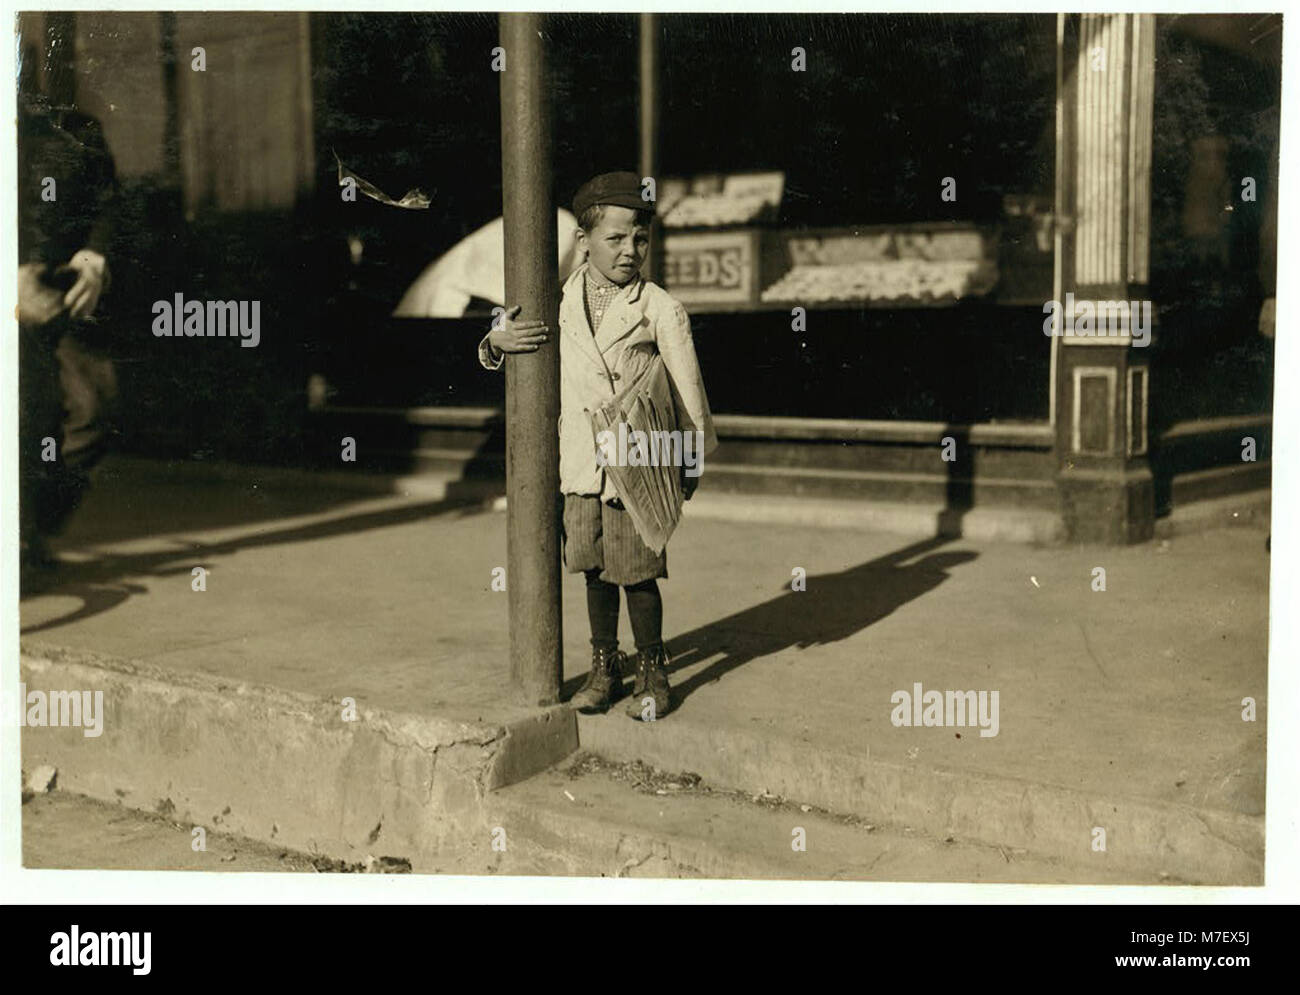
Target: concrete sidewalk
1119	709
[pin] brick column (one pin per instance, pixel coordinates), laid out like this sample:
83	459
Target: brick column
1103	203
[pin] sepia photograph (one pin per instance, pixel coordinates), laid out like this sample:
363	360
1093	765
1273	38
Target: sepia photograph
747	447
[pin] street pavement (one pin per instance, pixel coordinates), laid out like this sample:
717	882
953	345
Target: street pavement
1133	691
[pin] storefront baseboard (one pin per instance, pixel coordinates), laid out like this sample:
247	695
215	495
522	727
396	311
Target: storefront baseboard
916	519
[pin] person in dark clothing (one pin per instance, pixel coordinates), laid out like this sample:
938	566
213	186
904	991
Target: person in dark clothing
66	385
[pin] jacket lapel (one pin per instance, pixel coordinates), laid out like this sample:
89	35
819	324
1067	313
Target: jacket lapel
623	315
573	319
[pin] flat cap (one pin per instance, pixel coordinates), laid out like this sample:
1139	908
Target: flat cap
618	189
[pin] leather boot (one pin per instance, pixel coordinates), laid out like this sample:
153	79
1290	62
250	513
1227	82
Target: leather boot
604	681
650	684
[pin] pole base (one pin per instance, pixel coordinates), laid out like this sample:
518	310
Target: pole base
1115	508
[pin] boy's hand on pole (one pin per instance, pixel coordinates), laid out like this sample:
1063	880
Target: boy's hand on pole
509	335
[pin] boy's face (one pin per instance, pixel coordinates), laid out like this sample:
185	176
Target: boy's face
617	246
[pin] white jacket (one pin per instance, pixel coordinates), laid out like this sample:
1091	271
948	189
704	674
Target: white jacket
643	320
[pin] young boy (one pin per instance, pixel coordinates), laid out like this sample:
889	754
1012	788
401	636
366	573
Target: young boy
612	324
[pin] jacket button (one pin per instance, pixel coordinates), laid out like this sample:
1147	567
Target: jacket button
616	376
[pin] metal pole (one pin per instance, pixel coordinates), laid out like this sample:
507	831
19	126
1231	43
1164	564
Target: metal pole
532	379
649	114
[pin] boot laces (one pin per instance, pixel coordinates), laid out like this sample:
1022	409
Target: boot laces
601	663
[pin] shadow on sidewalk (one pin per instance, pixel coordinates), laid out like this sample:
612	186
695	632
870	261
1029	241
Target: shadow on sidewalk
104	583
834	607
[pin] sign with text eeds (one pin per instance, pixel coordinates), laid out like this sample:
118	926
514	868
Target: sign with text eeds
712	267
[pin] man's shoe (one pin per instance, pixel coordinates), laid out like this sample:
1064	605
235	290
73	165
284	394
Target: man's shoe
651	695
603	684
